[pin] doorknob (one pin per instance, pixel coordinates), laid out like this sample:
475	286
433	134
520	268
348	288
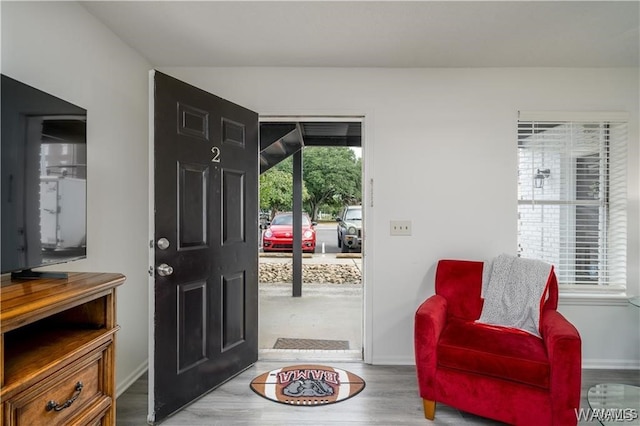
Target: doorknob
164	270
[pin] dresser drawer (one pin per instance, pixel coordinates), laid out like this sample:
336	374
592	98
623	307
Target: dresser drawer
57	400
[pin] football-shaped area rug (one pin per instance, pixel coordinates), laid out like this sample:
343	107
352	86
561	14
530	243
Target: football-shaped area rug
307	385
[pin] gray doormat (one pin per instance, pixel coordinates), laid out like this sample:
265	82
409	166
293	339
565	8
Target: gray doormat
314	344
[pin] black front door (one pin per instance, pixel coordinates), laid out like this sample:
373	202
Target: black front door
205	245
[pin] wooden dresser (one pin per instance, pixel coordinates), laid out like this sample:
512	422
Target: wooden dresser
57	350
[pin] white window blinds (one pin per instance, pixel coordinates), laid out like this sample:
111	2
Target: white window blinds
572	195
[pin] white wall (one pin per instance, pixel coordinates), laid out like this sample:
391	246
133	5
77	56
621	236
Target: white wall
61	49
440	146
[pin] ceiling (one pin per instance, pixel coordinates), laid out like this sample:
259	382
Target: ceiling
377	34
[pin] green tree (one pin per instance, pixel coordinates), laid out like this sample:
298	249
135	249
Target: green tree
332	177
275	190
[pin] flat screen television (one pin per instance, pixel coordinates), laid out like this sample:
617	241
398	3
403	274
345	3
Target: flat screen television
44	180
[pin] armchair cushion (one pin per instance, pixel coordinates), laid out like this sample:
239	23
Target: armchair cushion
460	283
499	352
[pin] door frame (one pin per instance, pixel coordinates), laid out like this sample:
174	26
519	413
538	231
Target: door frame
367	208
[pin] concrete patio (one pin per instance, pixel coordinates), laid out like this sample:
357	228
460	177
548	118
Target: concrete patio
324	311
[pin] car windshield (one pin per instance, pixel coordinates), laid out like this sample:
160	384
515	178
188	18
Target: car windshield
353	214
287	219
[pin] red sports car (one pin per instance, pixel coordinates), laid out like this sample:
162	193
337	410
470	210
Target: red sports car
279	234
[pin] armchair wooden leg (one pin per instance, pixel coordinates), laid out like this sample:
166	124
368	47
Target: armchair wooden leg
429	409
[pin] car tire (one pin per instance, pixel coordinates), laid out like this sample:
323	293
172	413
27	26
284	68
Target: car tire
339	242
345	248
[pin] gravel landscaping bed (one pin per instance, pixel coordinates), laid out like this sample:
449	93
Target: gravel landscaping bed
270	273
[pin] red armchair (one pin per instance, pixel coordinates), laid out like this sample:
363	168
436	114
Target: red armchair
501	373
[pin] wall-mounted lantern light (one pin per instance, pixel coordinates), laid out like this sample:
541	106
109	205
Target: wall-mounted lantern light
541	175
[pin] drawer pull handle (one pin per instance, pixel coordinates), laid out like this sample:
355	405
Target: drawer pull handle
52	405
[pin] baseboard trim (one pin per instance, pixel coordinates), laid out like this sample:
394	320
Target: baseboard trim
393	360
131	378
610	364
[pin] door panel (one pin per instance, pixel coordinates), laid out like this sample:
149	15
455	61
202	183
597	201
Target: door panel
192	223
206	203
233	209
233	311
192	325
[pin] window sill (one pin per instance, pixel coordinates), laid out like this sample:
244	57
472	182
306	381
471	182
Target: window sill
608	297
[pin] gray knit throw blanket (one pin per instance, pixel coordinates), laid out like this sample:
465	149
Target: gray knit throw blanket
512	288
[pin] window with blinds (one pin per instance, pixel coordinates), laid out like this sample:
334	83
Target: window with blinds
572	195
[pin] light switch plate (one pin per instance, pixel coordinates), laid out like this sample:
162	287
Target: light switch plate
400	227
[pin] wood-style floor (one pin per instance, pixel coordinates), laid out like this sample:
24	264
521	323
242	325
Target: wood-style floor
390	398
